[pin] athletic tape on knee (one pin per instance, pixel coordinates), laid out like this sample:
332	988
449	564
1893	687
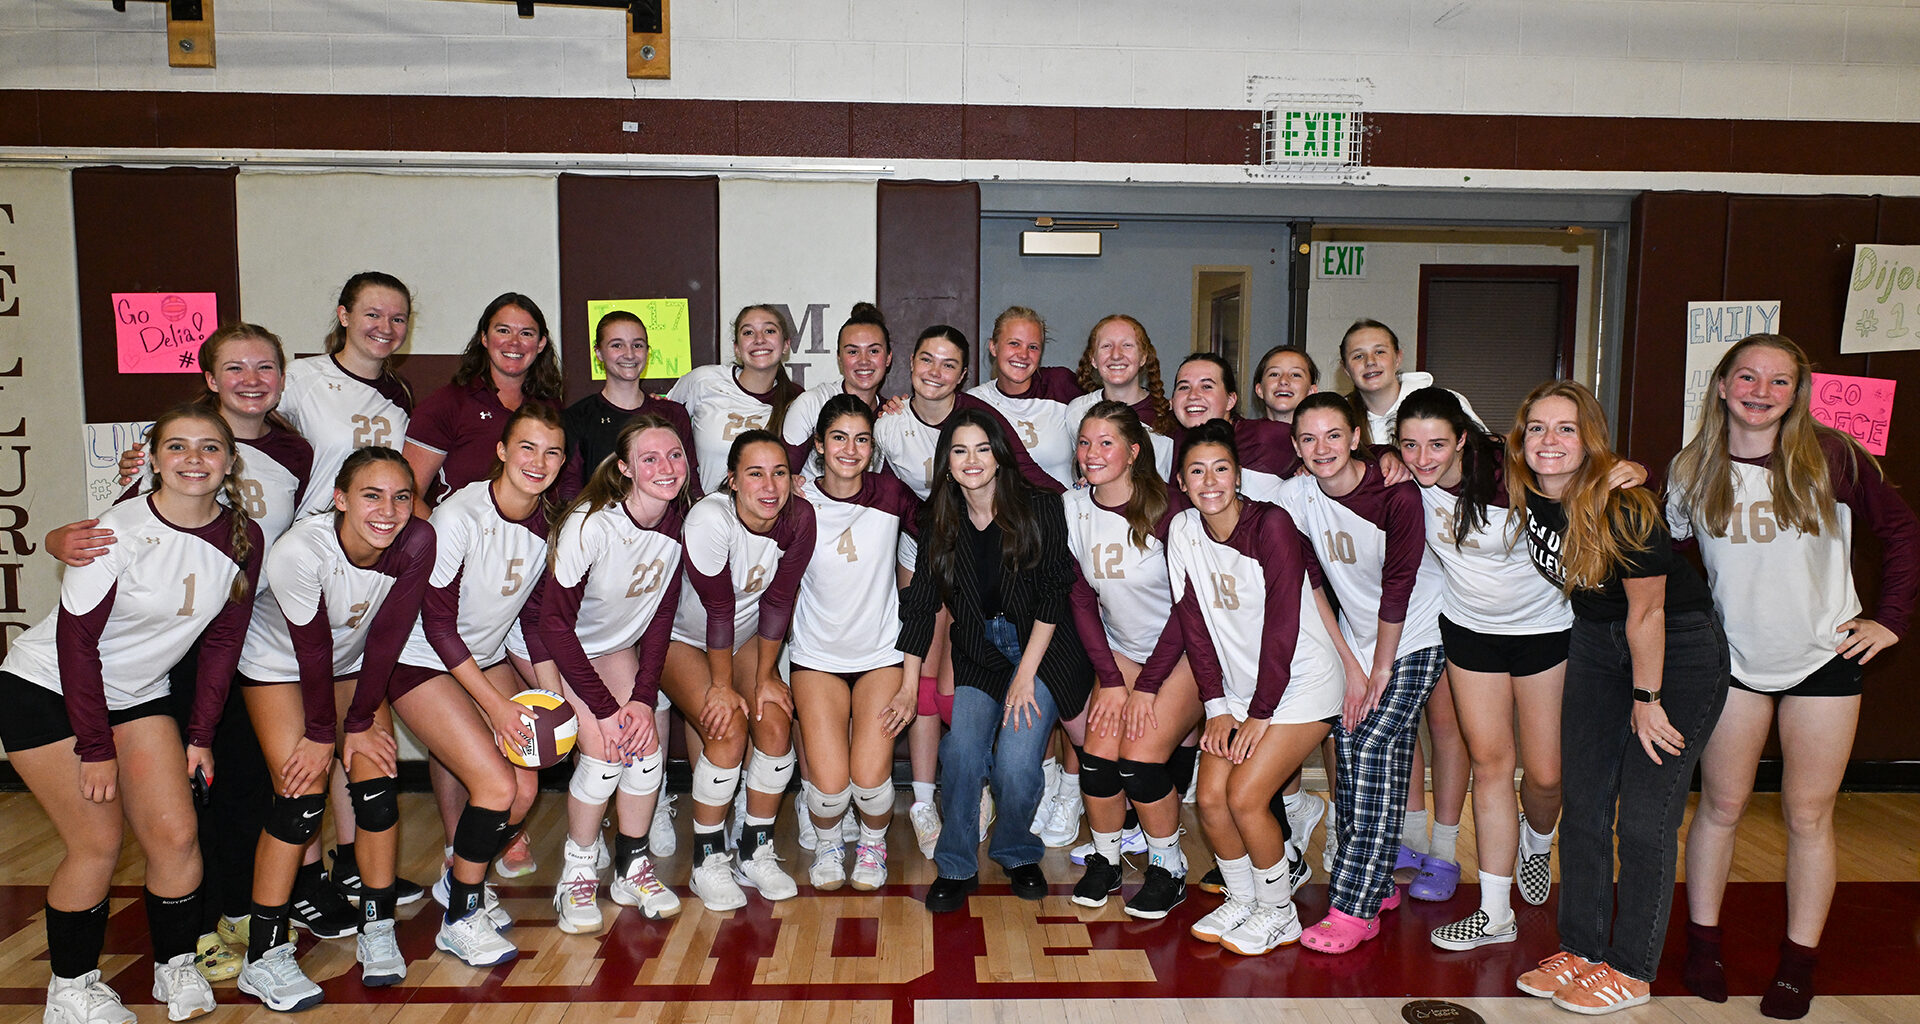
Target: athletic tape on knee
1144	781
593	780
770	773
376	803
477	836
830	806
712	785
295	819
644	775
874	800
1099	777
929	695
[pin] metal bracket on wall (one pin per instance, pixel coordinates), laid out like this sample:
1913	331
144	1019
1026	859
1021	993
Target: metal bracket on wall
189	32
648	31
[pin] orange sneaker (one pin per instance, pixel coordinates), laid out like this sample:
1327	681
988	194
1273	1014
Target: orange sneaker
1553	974
516	861
1602	990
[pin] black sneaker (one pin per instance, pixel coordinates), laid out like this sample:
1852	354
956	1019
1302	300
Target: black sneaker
1298	872
320	908
1212	882
1161	893
346	878
1102	879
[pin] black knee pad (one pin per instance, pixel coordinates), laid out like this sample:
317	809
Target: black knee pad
1099	777
1180	765
480	834
295	819
376	804
1145	781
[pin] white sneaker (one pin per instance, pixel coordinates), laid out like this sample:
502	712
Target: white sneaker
809	837
1330	854
639	887
713	882
925	819
660	835
1223	919
1063	822
850	827
1132	841
986	811
762	871
573	898
870	866
739	810
88	1000
1053	773
178	984
517	860
277	981
1267	928
829	869
473	940
1303	821
379	954
603	857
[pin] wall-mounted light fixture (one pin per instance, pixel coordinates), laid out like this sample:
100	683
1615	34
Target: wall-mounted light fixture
1050	241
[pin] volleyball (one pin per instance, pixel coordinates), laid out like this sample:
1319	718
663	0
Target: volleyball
548	720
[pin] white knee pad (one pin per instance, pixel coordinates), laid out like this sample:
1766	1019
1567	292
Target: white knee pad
829	806
874	800
713	786
593	780
644	775
770	773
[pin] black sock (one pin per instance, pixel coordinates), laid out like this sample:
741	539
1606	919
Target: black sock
1180	766
309	877
174	924
707	841
752	837
1131	822
376	905
1791	993
268	929
1278	805
1704	974
345	867
626	850
75	938
464	898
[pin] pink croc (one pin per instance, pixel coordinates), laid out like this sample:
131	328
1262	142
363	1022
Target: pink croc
1391	902
1339	932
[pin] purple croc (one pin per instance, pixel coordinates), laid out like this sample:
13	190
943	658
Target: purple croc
1438	878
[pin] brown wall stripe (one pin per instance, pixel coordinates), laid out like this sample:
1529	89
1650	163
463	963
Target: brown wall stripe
1798	249
928	250
147	231
900	131
637	238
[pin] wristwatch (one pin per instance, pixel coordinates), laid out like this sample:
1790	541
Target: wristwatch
1646	696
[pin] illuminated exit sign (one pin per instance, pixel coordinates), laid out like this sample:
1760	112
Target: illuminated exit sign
1313	136
1340	261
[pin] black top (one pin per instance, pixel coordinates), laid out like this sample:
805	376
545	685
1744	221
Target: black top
985	545
1686	591
1037	594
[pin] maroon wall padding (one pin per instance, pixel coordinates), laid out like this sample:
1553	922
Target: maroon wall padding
637	238
1691	247
928	252
147	231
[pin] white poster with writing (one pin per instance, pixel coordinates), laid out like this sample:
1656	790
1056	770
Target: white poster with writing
1883	300
811	246
41	482
1712	329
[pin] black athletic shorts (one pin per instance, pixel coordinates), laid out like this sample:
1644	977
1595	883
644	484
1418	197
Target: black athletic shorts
1840	677
1519	655
849	678
37	716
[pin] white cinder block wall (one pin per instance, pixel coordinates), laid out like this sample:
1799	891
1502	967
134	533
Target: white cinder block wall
1817	60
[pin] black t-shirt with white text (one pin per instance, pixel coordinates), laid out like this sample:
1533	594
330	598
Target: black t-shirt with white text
1547	530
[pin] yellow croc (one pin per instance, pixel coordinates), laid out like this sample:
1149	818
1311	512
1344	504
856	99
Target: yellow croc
214	960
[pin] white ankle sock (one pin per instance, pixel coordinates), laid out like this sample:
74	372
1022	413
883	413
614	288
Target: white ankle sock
1496	900
1107	844
1445	839
1413	834
923	792
1166	853
1532	843
1236	876
1270	884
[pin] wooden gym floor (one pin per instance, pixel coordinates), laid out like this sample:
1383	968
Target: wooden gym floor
879	957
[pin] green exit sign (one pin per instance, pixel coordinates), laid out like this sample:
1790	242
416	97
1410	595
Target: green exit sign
1313	136
1340	261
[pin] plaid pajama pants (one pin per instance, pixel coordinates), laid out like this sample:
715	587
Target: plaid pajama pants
1370	796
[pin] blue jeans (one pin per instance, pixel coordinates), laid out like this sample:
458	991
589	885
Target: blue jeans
980	749
1613	792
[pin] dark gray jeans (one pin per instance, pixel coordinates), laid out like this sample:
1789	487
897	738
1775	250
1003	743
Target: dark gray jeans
1603	765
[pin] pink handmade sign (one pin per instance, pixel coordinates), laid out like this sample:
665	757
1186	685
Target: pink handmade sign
161	332
1860	406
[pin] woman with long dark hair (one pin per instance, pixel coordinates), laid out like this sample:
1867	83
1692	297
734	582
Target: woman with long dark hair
993	552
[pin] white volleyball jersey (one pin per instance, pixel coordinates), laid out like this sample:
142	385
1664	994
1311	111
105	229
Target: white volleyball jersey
1040	419
273	475
803	415
486	569
1131	583
848	606
1492	586
721	410
738	582
1254	637
339	413
1371	543
1783	593
307	572
141	605
614	583
907	444
1162	444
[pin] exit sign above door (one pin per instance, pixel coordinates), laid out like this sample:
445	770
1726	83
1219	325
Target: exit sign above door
1339	261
